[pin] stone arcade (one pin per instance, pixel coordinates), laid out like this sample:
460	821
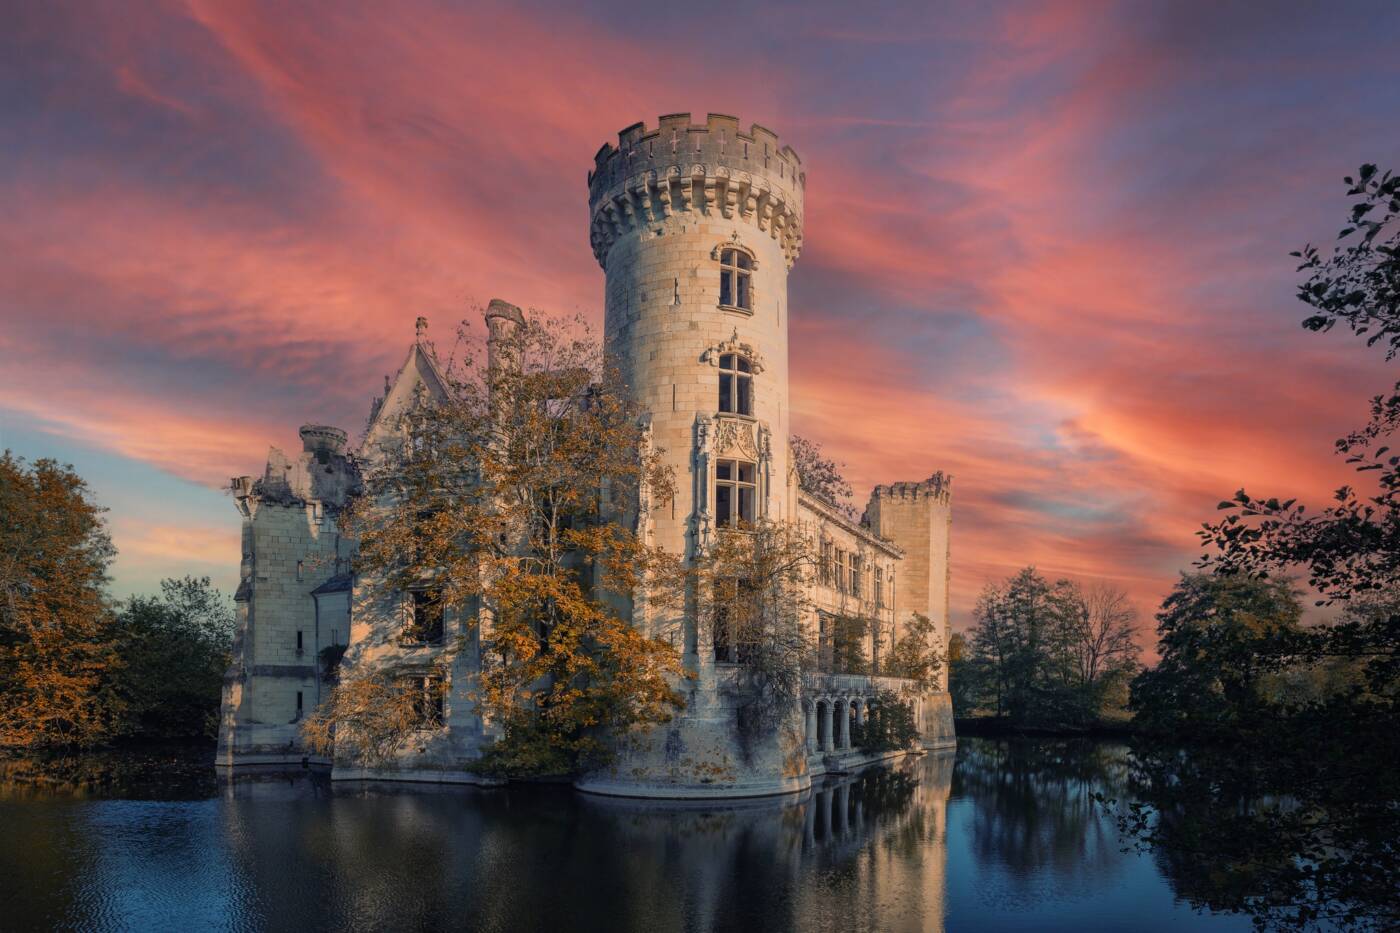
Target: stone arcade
696	227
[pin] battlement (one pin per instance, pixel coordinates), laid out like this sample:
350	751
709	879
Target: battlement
316	437
710	168
938	487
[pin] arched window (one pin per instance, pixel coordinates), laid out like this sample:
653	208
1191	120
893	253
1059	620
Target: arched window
736	488
735	384
735	279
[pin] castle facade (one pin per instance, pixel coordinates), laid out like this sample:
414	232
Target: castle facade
696	227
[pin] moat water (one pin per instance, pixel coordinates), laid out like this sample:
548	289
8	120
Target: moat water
1000	835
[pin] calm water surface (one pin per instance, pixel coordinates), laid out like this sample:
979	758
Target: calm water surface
999	836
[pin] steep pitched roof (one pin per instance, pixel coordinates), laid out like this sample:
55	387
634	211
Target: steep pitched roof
420	369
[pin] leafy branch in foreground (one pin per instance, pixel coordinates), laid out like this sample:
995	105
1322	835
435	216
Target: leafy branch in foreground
1291	815
1352	546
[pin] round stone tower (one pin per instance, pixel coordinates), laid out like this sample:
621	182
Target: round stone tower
696	227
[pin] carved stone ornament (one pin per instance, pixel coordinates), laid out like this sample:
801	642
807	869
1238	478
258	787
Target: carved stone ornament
733	345
735	435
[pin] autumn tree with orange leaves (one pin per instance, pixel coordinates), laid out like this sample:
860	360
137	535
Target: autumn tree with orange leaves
57	654
515	499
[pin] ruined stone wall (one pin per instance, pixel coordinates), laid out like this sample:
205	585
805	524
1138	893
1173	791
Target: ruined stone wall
291	547
918	517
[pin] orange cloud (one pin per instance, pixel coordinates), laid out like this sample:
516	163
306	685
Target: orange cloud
1045	247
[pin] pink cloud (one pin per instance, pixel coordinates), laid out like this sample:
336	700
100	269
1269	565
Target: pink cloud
1041	267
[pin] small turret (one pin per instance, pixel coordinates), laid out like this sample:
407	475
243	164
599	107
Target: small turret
503	320
322	437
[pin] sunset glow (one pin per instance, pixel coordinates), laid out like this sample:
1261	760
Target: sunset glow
1046	247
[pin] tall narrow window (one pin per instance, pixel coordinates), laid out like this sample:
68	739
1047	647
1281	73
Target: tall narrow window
825	570
735	273
429	695
840	571
735	492
424	626
735	384
879	588
856	572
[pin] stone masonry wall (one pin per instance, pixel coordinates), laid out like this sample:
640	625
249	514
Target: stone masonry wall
918	517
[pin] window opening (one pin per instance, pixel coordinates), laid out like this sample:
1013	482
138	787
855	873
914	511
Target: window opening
735	279
735	384
736	490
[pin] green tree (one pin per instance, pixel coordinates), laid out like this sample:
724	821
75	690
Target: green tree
1024	634
969	678
915	654
1353	545
889	724
175	649
1218	641
1292	818
56	649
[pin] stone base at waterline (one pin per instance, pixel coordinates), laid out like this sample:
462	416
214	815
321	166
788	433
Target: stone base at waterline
414	776
936	721
698	756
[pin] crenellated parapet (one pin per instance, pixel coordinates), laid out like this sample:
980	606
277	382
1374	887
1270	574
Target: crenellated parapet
938	487
712	169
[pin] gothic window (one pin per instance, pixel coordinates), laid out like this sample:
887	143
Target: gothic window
424	623
735	384
735	492
735	279
429	695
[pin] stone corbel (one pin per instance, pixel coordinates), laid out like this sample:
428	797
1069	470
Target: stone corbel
663	192
642	192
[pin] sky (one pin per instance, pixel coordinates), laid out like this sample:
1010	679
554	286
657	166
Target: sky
1046	244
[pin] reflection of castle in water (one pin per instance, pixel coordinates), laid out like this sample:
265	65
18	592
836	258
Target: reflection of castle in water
865	851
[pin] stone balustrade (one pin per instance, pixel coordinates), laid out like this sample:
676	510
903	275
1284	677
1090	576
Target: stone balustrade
832	701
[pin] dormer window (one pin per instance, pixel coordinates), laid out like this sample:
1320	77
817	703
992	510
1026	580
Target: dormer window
735	279
735	384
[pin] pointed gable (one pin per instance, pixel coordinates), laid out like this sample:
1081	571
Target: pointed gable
419	372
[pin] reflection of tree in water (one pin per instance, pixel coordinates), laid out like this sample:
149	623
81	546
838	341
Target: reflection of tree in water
154	772
1297	832
1034	804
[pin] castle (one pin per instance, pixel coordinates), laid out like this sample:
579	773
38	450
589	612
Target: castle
696	228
